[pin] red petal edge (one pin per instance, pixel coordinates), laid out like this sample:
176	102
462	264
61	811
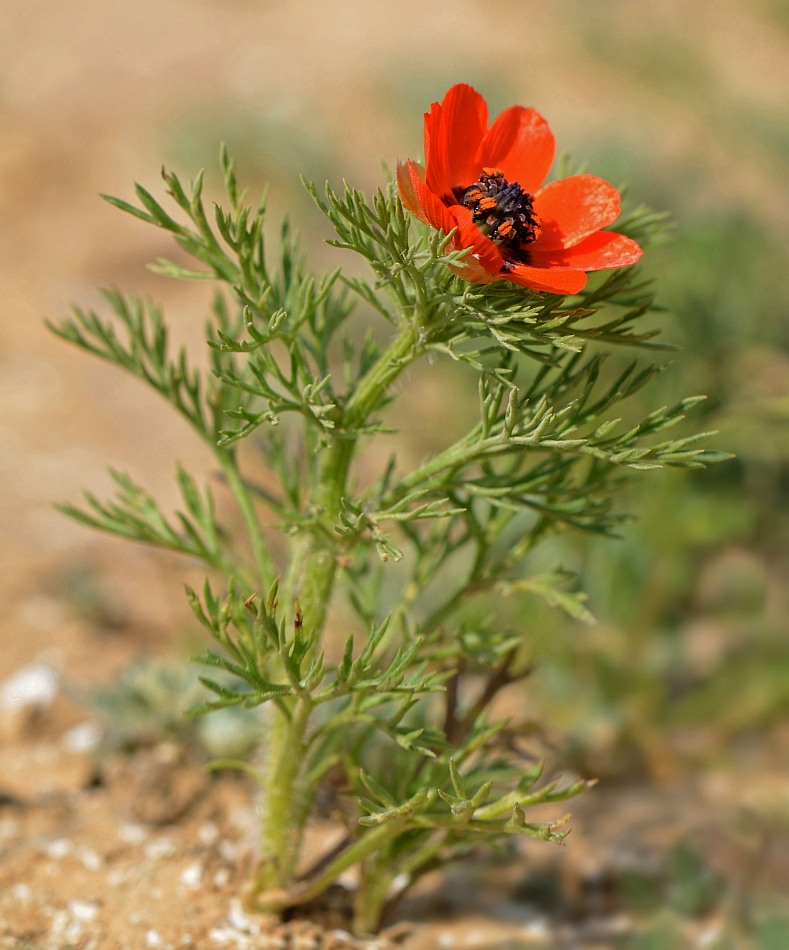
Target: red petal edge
420	201
453	130
553	280
469	235
521	144
600	251
573	208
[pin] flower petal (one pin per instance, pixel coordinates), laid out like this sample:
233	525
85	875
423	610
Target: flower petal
419	200
453	131
469	235
406	188
521	144
573	208
600	251
554	280
471	270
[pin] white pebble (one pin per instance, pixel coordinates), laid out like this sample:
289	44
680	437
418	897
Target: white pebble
192	875
208	833
132	834
238	919
153	939
34	685
90	860
59	848
537	929
22	892
223	936
83	910
82	738
163	848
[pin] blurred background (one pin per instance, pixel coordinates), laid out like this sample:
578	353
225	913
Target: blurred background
679	696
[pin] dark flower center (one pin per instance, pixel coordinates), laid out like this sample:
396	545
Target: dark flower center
502	208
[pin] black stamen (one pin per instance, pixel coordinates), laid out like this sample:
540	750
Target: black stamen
505	209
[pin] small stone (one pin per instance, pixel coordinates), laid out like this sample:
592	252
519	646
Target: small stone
161	848
58	849
208	833
132	833
82	738
153	939
191	876
83	910
22	697
223	936
91	861
22	892
238	919
537	929
34	685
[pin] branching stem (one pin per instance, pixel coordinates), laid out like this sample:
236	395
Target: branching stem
310	580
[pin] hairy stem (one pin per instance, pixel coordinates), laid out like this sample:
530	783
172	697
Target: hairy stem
277	900
310	579
283	801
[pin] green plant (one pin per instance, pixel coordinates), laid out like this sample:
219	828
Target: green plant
399	717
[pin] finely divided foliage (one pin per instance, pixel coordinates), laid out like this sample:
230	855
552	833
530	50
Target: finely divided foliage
393	712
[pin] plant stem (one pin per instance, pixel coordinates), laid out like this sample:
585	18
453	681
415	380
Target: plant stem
302	893
310	579
283	801
313	565
371	895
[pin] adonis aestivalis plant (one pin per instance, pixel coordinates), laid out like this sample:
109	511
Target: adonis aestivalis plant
374	611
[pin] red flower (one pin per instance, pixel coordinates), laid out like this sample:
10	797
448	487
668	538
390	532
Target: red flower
487	183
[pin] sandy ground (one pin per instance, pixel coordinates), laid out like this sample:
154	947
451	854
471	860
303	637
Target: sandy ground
97	93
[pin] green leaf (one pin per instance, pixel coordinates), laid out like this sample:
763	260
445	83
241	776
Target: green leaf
547	587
